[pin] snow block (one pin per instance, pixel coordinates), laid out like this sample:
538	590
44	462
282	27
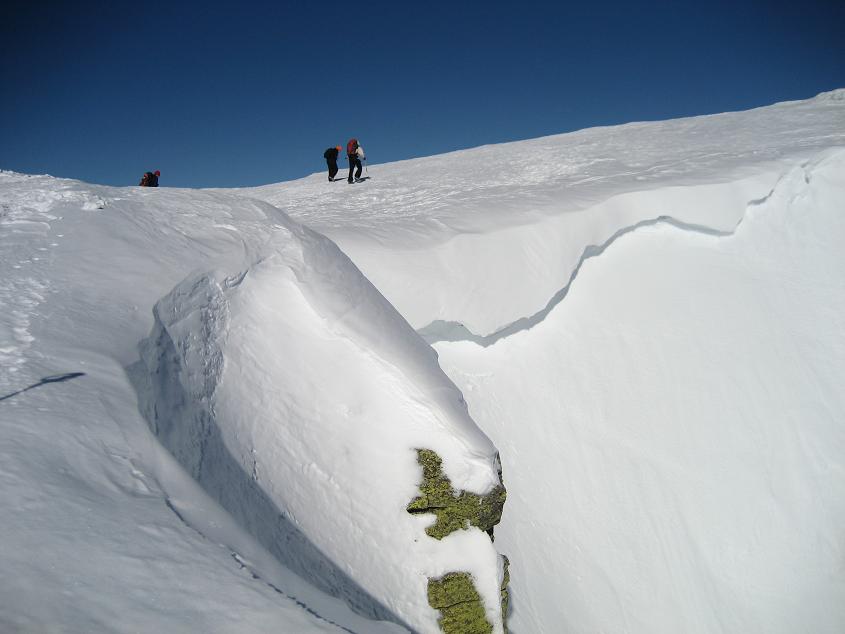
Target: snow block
295	394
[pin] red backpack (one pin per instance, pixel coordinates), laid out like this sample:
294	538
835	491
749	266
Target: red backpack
351	147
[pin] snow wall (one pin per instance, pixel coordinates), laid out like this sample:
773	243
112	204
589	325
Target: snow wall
297	396
468	243
647	321
678	416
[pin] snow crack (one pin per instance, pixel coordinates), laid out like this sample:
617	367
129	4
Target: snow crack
245	566
452	331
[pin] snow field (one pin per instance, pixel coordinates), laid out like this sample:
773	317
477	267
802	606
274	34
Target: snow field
659	308
678	419
108	532
485	237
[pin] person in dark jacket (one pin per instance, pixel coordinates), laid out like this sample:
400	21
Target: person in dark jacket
150	179
354	154
331	160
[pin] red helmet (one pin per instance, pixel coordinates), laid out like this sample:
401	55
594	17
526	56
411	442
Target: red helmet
157	173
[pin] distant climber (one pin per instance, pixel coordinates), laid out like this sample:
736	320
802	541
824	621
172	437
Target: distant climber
150	179
331	160
354	154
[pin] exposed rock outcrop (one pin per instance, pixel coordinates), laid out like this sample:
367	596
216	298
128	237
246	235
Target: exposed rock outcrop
455	510
461	608
454	594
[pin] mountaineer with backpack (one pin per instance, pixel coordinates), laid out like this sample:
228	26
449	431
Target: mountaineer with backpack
354	154
150	179
331	160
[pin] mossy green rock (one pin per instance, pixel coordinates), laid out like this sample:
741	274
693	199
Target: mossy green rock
454	594
455	510
461	609
506	579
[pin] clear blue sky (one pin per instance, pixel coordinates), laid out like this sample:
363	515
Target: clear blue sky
246	93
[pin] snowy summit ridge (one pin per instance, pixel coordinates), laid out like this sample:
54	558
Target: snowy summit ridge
545	201
218	412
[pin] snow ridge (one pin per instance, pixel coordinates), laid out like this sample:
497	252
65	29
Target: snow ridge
453	331
177	379
490	234
297	396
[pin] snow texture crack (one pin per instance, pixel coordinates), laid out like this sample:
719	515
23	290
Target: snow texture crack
453	331
245	566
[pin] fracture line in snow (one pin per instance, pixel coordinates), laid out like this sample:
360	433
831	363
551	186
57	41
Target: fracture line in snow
453	331
299	603
245	566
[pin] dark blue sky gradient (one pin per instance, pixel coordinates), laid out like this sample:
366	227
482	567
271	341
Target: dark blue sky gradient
240	94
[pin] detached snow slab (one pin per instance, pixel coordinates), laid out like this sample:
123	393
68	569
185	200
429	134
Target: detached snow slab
299	398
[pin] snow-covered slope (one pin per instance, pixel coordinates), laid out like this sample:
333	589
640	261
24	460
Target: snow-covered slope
297	395
274	365
680	419
645	319
679	424
486	237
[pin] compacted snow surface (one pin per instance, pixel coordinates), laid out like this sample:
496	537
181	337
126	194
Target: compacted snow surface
208	413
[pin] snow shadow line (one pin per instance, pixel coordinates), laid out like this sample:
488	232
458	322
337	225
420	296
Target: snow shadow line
210	463
453	331
252	573
56	378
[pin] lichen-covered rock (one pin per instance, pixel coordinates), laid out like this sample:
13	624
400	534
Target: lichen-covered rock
461	609
454	594
454	510
506	578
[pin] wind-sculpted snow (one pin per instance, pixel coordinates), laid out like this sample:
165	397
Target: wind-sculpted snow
297	396
451	331
679	419
103	531
487	236
660	312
